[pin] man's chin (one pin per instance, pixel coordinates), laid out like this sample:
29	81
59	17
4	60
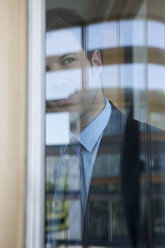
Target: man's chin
63	104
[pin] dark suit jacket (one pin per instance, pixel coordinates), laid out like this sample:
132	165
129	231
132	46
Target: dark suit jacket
113	206
114	212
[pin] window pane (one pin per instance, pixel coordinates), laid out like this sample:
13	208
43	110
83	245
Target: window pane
104	125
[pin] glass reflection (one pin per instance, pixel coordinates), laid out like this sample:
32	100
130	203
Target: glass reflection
157	40
104	169
132	33
105	30
59	122
156	75
73	82
56	39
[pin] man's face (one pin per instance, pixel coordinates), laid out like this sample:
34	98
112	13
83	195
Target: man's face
70	77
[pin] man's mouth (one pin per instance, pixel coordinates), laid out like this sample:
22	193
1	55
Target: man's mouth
66	104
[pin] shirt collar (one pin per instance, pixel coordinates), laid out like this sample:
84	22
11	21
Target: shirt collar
90	135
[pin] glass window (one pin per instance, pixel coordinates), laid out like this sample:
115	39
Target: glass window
104	125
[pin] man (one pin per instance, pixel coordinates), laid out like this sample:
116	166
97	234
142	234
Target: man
97	128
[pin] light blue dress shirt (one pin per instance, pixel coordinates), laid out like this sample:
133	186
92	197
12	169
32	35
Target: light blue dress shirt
90	138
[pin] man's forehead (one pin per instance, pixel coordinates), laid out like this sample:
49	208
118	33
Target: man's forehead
63	41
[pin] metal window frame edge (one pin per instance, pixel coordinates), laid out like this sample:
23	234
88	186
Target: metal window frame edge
35	176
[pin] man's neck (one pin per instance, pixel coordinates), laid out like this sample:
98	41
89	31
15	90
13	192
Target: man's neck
94	110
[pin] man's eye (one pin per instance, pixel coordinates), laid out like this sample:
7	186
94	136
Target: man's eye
68	61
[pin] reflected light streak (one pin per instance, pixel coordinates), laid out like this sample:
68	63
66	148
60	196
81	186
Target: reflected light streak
62	84
63	41
156	34
57	128
156	74
107	35
132	33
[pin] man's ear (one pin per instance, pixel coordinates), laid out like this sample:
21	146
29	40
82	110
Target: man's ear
96	60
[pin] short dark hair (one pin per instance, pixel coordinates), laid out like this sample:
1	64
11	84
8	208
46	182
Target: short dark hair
60	18
63	18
